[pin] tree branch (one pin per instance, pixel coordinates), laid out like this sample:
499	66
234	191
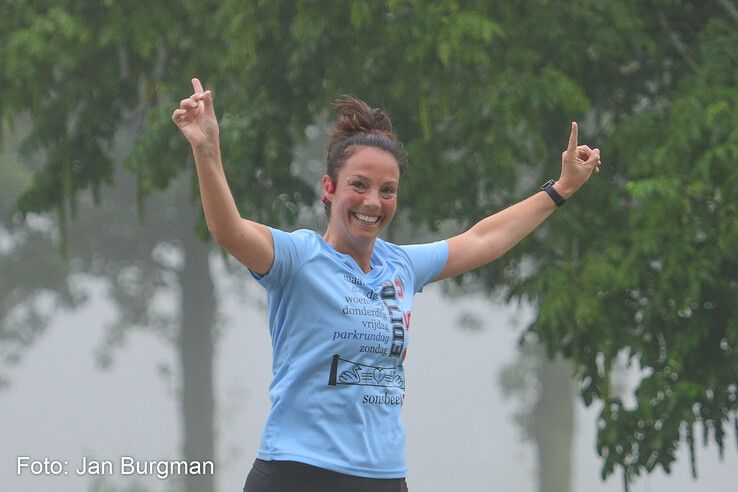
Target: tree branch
681	48
728	5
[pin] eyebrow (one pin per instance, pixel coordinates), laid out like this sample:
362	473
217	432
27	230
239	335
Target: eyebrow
392	182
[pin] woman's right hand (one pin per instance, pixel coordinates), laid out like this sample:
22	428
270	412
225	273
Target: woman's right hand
196	117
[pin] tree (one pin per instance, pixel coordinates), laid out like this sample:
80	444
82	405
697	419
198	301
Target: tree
668	279
482	93
32	272
546	412
139	261
79	131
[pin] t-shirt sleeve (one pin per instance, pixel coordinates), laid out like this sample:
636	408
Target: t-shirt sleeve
427	261
290	253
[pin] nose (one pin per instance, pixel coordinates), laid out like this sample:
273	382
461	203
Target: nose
372	200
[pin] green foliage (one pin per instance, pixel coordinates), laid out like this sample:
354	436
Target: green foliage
681	280
640	264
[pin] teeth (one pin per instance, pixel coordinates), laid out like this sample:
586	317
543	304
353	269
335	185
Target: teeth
366	218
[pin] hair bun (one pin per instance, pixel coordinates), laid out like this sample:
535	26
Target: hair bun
355	116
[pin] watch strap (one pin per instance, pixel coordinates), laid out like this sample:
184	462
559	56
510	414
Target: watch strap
548	187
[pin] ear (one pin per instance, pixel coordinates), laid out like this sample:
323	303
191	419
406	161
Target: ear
328	185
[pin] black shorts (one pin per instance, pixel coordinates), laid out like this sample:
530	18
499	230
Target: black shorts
289	476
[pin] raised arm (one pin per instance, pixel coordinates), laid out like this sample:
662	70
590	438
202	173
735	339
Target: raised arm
495	235
248	241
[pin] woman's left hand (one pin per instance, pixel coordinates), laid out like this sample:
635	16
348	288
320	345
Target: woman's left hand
578	162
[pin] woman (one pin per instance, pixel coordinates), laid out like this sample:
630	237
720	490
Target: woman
340	304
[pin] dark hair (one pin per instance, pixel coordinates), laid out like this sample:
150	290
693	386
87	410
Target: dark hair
357	125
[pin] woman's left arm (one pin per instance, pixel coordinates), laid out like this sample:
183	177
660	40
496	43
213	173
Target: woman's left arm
494	236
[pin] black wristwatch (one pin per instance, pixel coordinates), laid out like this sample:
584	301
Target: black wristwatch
548	187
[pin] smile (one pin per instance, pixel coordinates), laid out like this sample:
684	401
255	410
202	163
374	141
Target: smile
365	219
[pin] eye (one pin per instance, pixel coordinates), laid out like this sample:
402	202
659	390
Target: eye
358	185
389	192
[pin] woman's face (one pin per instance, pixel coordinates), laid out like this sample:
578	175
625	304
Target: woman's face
365	196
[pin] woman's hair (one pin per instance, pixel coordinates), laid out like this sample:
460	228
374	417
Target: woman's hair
358	125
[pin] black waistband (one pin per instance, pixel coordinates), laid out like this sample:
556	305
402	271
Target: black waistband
288	476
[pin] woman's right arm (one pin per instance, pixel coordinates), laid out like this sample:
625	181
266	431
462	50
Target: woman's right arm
249	242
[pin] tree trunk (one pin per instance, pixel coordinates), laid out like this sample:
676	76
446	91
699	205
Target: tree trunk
198	308
553	424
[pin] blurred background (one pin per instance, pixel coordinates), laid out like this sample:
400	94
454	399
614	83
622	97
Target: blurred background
599	354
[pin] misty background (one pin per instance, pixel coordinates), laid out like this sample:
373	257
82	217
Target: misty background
462	433
124	331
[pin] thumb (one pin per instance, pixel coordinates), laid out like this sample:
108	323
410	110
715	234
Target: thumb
207	99
594	157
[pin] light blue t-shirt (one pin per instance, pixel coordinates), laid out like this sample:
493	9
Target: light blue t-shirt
339	338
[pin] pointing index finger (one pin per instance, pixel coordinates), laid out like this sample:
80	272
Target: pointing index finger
573	136
197	85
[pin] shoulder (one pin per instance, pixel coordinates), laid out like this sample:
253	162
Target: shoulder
296	247
391	251
303	237
426	261
292	250
411	251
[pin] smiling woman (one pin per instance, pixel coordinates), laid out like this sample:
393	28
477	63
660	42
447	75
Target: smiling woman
335	417
362	202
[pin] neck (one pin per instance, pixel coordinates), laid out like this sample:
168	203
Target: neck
361	252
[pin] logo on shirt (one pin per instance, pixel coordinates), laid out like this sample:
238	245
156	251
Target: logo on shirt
388	294
398	288
345	371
